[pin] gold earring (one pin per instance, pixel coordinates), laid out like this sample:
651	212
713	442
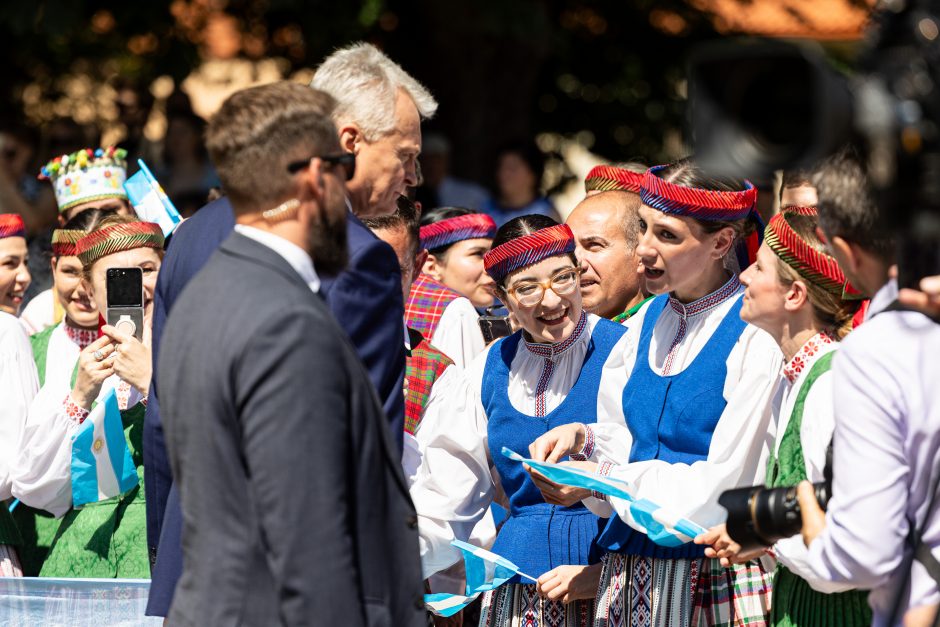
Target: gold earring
284	211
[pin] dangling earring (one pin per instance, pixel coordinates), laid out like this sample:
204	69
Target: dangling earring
284	211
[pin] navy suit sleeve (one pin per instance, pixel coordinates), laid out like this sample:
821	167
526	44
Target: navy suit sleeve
366	300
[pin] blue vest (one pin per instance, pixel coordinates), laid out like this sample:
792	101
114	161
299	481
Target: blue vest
537	536
672	418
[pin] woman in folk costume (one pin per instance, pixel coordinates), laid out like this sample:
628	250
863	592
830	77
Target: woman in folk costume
55	351
105	538
697	407
798	294
18	383
453	282
546	374
84	180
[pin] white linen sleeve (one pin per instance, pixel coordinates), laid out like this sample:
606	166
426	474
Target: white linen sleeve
453	487
739	446
42	476
18	386
458	333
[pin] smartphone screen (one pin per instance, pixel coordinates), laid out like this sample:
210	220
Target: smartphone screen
125	287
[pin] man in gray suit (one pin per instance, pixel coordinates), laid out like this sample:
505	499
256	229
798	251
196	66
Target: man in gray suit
294	505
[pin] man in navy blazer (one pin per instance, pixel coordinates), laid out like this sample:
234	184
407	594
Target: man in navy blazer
378	115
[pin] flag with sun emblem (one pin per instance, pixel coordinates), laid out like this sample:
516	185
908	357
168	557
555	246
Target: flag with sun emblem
102	466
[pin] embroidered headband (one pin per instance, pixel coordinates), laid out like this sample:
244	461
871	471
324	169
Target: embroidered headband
528	250
609	178
802	211
64	241
87	175
811	264
117	238
457	229
11	225
706	204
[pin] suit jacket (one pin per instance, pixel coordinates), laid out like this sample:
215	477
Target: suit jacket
366	300
295	507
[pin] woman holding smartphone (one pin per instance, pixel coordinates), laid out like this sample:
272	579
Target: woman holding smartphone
106	538
443	297
546	374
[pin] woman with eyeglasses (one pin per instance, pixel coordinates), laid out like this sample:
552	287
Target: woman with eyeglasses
559	368
697	406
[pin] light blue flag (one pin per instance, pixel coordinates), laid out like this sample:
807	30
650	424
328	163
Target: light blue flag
101	461
150	201
485	571
660	525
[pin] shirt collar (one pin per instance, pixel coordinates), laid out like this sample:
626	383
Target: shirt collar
82	337
882	298
807	354
705	303
553	351
294	255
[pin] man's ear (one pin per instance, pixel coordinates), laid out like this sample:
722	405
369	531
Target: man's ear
432	267
350	137
420	259
846	253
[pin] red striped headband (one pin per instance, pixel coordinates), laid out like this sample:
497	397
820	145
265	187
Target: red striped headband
704	204
11	225
65	241
528	250
117	238
457	229
802	211
811	264
609	178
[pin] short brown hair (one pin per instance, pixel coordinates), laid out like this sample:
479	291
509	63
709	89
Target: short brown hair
259	131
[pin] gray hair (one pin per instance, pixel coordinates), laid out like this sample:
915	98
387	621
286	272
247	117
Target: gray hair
365	83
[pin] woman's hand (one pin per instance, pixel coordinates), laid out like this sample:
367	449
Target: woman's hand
92	371
724	548
557	443
569	583
558	494
131	359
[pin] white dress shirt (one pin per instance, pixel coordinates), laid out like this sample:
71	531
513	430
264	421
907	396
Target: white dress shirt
457	333
886	447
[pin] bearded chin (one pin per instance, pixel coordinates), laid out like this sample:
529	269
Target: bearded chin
328	243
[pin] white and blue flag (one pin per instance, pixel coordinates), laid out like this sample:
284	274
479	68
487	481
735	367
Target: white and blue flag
485	571
663	527
102	466
150	201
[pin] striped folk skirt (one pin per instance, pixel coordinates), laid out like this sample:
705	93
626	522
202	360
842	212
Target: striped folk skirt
639	591
518	605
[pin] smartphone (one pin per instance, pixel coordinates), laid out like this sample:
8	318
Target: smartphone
494	327
125	291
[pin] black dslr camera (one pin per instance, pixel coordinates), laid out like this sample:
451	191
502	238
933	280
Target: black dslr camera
759	516
758	106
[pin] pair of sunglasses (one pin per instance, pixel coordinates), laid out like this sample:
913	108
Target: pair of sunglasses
346	160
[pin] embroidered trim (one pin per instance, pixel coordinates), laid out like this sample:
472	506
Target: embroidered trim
547	369
73	410
123	393
693	309
803	356
553	351
81	337
587	449
603	470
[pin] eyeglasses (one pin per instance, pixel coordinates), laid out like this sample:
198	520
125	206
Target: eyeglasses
531	293
346	160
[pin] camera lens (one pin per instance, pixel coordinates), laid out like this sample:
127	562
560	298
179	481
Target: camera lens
758	516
